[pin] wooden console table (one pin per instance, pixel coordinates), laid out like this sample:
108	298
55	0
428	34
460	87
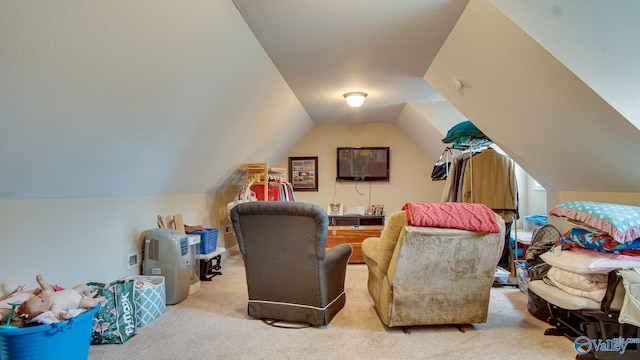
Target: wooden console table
353	235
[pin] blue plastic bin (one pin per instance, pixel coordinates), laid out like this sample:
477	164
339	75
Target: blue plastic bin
69	339
208	240
539	219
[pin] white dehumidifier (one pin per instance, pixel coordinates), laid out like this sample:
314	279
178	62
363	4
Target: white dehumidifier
166	253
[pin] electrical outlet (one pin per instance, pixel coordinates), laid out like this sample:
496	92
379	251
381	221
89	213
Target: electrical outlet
133	260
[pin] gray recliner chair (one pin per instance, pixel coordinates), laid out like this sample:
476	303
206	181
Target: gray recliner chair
290	274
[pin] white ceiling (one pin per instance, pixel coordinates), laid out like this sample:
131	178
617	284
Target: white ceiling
326	48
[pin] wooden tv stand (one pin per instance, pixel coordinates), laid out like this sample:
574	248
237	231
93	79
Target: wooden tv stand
355	220
353	235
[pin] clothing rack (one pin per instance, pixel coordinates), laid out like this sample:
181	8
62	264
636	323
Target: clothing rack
257	174
262	174
479	146
465	136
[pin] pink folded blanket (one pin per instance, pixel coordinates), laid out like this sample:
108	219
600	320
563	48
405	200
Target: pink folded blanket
465	216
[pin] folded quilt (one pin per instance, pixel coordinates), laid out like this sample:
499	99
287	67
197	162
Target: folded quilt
591	286
618	255
587	261
455	215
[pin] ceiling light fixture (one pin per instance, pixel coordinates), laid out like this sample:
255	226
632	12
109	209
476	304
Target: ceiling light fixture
355	99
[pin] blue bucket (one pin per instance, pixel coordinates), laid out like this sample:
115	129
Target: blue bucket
69	339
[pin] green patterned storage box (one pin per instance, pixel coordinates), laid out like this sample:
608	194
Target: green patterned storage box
115	322
150	297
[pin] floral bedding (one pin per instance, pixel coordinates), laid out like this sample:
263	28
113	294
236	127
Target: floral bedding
583	238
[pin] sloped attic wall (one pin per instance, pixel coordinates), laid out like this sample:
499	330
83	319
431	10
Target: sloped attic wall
607	61
107	108
120	98
427	123
551	123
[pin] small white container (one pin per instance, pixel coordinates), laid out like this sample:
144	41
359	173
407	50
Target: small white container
501	276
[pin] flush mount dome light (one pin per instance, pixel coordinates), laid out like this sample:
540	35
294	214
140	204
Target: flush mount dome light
355	99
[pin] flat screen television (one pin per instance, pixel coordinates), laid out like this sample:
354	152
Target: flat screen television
363	164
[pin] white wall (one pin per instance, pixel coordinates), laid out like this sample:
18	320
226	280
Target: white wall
410	167
536	199
410	170
531	201
77	240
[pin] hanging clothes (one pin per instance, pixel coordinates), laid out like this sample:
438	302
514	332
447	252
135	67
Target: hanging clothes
453	185
489	178
279	190
480	176
450	191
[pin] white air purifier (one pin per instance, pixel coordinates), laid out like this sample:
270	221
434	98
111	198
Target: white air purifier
167	253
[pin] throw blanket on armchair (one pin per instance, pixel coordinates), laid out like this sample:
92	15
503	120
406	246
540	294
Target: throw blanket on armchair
465	216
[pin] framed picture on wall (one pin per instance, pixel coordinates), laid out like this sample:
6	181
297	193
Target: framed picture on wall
303	173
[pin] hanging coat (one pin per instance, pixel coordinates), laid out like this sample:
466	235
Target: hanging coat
489	178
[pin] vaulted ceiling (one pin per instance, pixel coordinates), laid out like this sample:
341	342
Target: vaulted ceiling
126	98
324	49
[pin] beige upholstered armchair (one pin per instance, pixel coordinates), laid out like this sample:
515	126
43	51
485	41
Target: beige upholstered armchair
290	274
429	275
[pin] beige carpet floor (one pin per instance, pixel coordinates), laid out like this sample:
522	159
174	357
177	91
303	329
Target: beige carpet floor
212	324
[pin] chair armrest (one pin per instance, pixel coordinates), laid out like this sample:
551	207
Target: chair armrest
370	250
335	269
337	255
